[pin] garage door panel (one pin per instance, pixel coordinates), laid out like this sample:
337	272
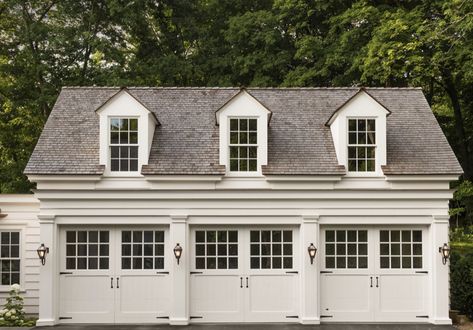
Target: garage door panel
143	298
216	297
402	297
87	298
346	297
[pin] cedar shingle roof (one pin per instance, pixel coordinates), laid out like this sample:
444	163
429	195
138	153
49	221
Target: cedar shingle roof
186	142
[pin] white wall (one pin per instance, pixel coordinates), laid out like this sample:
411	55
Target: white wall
22	211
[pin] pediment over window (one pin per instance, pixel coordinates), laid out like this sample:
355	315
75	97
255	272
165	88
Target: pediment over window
126	134
358	130
243	127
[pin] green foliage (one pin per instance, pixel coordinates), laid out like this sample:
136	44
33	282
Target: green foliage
461	282
12	314
461	209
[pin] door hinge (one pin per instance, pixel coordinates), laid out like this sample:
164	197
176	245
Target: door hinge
292	317
421	272
162	273
196	317
325	316
65	273
162	317
292	272
326	272
193	273
65	318
422	316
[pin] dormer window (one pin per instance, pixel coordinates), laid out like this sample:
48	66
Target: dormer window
361	145
123	144
243	145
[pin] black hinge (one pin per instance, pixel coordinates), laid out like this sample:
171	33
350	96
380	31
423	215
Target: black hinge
421	272
162	317
65	273
196	317
292	272
326	272
192	273
422	316
325	316
292	317
164	273
65	318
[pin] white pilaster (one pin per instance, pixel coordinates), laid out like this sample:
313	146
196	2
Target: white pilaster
180	280
440	272
48	273
309	272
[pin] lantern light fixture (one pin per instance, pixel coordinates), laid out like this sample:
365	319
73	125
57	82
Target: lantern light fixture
42	252
445	252
312	250
178	252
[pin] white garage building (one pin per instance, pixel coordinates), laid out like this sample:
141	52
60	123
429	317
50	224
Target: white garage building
244	181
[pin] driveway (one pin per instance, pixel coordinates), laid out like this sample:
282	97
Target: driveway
253	327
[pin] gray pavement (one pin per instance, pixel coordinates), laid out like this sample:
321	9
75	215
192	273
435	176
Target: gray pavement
251	327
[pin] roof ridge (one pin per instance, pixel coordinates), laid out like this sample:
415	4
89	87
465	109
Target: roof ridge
236	88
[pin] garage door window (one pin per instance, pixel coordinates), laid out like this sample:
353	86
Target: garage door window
400	248
271	249
346	249
142	249
87	249
10	257
216	249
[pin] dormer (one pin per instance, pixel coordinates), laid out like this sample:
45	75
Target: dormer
243	127
126	134
359	133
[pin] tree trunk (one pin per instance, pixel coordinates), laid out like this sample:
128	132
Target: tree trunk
459	125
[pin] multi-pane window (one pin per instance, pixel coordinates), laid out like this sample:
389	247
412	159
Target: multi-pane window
346	249
124	144
142	249
243	145
361	145
400	248
10	257
271	249
216	249
87	249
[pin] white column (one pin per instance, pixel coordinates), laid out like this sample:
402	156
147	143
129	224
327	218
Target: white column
309	272
440	272
48	273
180	272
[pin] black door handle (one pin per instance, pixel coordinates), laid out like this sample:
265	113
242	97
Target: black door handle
241	282
247	282
371	281
111	282
377	284
118	283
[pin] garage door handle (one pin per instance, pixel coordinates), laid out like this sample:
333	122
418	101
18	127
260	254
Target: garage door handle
241	282
118	283
247	282
377	284
371	281
111	282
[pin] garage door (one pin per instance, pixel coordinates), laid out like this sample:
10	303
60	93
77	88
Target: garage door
374	275
113	275
244	275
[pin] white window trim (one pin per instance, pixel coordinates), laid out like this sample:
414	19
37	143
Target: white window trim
22	251
109	145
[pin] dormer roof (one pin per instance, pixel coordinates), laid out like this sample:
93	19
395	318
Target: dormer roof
187	142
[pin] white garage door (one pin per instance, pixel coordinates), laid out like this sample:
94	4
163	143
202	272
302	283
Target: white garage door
374	275
113	275
244	275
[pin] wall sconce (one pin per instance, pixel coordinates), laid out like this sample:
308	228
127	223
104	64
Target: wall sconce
42	252
312	252
178	252
445	251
